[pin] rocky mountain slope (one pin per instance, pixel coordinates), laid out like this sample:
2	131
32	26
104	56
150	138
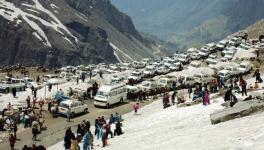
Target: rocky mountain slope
192	22
255	30
68	32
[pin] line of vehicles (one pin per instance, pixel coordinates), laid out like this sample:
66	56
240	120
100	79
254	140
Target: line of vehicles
142	72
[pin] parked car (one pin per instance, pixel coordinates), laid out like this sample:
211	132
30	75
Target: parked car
235	41
183	58
138	65
150	71
48	77
167	81
233	70
66	75
194	64
148	85
229	55
245	67
110	94
186	81
117	79
76	107
226	74
211	47
163	70
211	58
202	78
204	52
212	63
136	76
195	56
176	67
221	45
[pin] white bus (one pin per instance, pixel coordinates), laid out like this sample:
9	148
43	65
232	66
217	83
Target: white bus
110	94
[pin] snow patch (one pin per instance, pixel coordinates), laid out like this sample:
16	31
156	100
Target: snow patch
116	49
37	36
53	6
36	8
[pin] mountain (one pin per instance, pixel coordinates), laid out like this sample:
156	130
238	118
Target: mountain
192	22
68	32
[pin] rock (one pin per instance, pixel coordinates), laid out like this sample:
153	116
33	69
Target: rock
240	109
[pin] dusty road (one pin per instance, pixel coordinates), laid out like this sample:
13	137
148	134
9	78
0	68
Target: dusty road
56	126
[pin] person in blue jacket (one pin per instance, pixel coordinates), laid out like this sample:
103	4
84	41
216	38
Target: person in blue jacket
87	141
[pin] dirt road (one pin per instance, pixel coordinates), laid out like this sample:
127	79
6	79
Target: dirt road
56	126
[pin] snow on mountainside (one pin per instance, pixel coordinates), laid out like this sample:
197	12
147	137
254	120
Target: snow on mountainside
62	32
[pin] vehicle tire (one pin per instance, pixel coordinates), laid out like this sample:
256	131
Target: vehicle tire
85	110
72	115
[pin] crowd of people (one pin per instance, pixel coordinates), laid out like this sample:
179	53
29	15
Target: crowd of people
103	128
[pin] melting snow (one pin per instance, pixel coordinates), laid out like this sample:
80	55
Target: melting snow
116	49
54	6
37	8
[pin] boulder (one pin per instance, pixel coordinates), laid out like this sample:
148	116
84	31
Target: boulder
241	109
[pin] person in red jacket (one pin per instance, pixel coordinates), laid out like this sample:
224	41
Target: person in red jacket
136	107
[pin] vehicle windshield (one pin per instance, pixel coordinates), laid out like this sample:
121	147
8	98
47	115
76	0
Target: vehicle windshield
135	74
102	94
213	62
146	85
64	105
243	66
204	50
198	76
194	65
29	80
149	69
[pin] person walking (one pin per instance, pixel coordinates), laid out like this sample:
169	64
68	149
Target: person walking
12	141
77	80
87	141
35	92
118	131
69	114
136	107
67	139
257	75
14	92
173	98
206	98
15	130
34	102
190	91
243	85
50	87
32	89
174	86
90	74
28	102
35	130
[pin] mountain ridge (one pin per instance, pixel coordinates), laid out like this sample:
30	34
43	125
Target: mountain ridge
68	32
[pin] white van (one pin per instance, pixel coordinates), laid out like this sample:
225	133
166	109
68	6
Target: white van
195	64
110	94
226	74
48	77
75	106
167	81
